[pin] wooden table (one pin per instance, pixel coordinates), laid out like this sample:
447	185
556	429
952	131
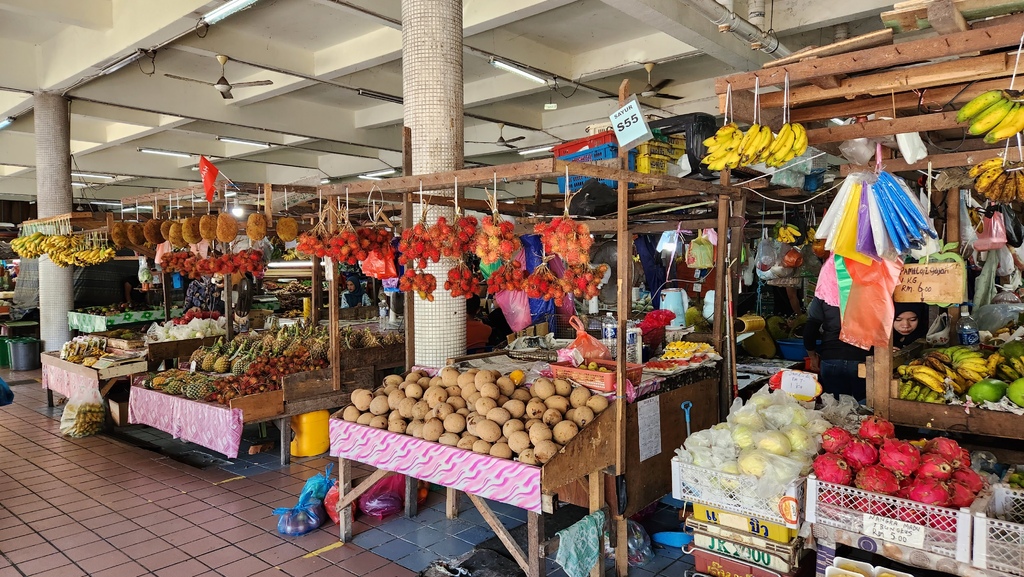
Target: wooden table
62	376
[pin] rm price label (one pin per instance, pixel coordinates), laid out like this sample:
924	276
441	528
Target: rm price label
629	125
894	531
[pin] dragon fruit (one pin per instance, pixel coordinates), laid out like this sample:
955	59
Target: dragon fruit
960	495
833	440
929	492
964	461
877	479
859	454
900	457
832	468
948	448
934	466
969	478
876	430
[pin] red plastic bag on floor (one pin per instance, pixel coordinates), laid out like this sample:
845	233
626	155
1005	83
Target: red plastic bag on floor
387	497
331	504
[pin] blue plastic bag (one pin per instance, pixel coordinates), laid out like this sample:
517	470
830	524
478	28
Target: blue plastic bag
6	394
306	516
318	485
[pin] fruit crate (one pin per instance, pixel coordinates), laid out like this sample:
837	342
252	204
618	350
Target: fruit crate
744	524
736	494
598	380
781	557
652	163
604	152
939	530
710	563
999	531
599	139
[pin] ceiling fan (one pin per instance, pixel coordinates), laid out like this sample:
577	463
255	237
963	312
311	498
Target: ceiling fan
501	139
222	85
653	90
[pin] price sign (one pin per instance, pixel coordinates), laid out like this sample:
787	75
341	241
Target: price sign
629	125
894	531
801	384
940	283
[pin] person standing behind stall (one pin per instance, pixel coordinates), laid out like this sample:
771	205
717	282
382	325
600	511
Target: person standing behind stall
354	295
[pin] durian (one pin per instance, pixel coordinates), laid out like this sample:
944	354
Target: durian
287	229
227	227
190	230
208	227
256	227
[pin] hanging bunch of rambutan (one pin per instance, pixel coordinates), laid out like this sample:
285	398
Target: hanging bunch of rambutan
509	277
496	240
417	247
423	283
314	242
544	284
462	282
453	241
584	280
567	238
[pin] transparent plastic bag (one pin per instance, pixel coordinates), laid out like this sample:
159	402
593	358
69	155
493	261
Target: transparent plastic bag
779	473
700	253
746	415
304	517
768	259
638	542
318	485
84	415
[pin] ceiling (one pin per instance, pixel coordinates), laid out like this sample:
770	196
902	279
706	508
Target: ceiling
319	54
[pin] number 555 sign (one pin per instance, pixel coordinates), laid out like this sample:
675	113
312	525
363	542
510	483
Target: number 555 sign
629	125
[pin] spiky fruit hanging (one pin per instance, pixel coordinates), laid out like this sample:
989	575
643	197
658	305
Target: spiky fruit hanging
462	282
584	280
256	227
165	229
190	230
509	277
151	231
227	227
496	240
287	228
174	235
544	284
119	234
417	248
567	238
419	281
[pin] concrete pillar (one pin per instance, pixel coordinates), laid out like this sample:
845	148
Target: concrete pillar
432	88
54	197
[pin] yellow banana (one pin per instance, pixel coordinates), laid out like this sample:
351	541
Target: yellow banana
978	104
981	167
800	143
928	377
987	178
1011	124
990	117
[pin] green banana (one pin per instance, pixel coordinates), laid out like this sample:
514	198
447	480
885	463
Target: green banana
978	104
990	117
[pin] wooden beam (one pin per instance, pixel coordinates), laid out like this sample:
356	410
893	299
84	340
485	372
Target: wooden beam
873	128
945	17
931	99
901	80
743	108
972	41
907	16
937	161
348	498
869	40
501	532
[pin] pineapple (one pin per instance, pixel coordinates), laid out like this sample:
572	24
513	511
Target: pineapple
318	349
268	339
173	387
236	365
222	364
197	356
209	361
194	390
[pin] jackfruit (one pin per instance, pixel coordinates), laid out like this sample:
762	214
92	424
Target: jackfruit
208	227
227	227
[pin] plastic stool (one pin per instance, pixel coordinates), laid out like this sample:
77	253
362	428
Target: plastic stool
311	436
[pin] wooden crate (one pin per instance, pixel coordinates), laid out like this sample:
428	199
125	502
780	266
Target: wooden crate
259	407
122	344
177	349
306	384
373	356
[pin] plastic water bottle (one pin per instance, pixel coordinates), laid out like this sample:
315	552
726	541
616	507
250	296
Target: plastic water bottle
967	328
634	345
610	333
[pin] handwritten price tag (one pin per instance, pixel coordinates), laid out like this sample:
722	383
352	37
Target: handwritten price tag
894	531
802	385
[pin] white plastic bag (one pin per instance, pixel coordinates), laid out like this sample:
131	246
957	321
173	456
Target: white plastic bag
858	150
84	414
911	147
938	331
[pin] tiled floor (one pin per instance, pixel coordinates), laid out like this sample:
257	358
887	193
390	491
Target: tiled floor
99	506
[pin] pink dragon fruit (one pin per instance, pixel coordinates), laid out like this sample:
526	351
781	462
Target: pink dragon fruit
833	440
832	468
929	492
969	478
948	448
859	454
960	495
964	462
877	479
900	457
876	430
934	466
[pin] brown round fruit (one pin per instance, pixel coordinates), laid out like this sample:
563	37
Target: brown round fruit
455	423
351	414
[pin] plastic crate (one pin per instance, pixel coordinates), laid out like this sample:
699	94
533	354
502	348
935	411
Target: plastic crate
781	557
652	163
599	139
999	532
711	563
749	525
596	380
736	493
603	152
946	531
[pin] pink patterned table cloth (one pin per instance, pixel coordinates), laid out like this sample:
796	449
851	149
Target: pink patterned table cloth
501	480
206	424
63	382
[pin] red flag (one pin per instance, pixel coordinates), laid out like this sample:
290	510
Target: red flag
209	174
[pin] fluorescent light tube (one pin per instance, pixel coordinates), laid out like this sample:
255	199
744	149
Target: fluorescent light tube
79	184
243	141
367	177
516	70
5	122
537	150
104	203
90	175
290	264
165	152
325	181
140	208
230	194
379	96
114	67
381	172
217	14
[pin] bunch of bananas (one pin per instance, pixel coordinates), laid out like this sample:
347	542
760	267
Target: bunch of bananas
996	181
723	148
789	144
958	366
61	248
911	391
787	233
29	246
998	114
93	256
1009	368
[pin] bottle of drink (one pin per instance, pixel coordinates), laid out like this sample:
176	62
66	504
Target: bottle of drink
609	333
967	328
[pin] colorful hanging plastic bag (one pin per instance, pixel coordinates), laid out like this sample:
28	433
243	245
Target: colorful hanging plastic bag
700	253
832	216
867	321
993	232
846	236
589	347
515	305
380	264
865	234
883	246
1014	229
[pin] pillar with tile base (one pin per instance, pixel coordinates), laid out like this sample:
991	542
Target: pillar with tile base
54	197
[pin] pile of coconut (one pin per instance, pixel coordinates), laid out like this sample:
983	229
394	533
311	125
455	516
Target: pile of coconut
480	410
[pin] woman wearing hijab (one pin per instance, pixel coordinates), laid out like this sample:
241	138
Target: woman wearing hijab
354	295
910	324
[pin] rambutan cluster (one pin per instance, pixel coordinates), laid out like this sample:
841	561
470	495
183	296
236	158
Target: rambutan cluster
417	247
453	241
543	284
188	264
509	277
496	240
311	243
583	279
423	283
567	238
462	282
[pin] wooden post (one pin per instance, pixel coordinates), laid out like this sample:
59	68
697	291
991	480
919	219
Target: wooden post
953	235
410	342
228	306
723	300
451	503
345	487
411	492
317	295
535	563
536	194
334	309
596	497
625	267
268	203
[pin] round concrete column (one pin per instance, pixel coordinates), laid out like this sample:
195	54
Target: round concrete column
54	197
432	89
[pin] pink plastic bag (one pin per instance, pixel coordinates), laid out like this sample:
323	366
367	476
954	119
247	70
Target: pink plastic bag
386	497
993	235
589	348
515	305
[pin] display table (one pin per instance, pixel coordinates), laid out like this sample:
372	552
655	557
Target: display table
89	323
210	425
65	378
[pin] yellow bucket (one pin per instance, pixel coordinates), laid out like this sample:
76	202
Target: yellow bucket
311	435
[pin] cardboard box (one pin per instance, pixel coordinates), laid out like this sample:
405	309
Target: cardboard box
118	412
